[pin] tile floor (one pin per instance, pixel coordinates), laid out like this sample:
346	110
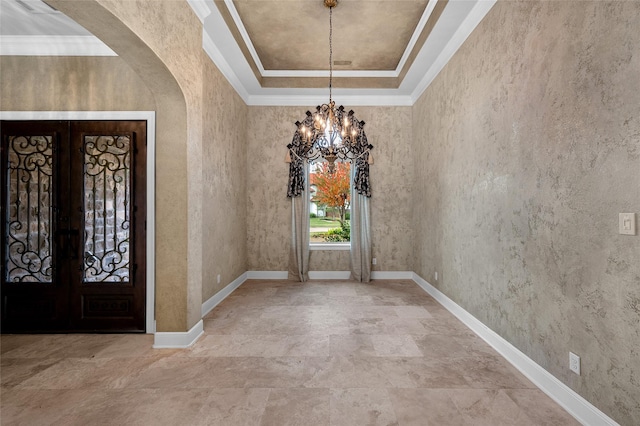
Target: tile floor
279	353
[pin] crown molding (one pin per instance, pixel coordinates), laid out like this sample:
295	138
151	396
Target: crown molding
202	8
245	35
226	68
325	73
416	35
469	23
363	98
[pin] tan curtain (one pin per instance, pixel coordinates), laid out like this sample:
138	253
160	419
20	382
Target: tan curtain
360	236
299	251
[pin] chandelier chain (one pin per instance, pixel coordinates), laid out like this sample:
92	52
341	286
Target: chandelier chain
330	52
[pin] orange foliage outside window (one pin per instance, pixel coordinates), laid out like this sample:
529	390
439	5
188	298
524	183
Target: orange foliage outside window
333	190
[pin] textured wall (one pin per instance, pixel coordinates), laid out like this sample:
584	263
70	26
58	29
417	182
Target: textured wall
268	209
224	238
63	83
527	147
270	129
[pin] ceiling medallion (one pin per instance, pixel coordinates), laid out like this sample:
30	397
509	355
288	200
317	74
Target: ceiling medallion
330	133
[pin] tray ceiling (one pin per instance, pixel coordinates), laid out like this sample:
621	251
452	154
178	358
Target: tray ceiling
294	34
385	52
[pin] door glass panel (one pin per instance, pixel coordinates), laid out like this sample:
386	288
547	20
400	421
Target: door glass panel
106	208
30	212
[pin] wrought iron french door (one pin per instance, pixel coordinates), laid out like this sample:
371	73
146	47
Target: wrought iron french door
73	228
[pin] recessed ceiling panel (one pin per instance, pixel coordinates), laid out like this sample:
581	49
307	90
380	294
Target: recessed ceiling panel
294	34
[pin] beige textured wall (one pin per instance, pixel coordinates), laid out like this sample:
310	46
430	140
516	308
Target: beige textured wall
56	83
268	208
224	236
527	147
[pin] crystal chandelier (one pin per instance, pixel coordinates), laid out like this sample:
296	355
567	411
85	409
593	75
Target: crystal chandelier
330	133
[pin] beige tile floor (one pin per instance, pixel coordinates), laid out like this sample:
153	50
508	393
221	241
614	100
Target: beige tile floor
279	353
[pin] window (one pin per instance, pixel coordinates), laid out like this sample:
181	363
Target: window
330	198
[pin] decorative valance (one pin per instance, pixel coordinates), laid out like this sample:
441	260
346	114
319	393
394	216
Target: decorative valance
330	134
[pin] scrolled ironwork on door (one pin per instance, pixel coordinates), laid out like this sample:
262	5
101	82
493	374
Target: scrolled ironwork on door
29	212
107	199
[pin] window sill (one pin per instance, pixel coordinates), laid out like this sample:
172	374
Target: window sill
329	246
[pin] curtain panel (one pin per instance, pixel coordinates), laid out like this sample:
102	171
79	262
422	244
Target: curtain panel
360	235
299	153
298	191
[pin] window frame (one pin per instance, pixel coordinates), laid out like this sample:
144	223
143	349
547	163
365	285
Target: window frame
344	246
330	246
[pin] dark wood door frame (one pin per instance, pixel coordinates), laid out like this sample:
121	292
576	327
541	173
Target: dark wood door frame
69	235
150	118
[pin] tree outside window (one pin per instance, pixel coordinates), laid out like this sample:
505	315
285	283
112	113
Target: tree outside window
331	194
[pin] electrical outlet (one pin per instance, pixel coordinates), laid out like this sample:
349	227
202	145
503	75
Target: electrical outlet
218	278
574	363
374	261
436	276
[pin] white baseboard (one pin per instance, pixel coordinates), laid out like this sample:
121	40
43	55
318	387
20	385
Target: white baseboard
267	275
329	275
581	409
375	275
222	294
178	339
391	275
